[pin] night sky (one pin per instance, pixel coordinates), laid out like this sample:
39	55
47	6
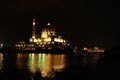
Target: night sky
82	22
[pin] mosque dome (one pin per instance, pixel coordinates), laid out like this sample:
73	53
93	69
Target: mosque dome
48	31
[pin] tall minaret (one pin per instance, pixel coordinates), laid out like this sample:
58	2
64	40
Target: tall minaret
33	31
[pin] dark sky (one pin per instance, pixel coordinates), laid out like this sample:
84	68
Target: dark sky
82	22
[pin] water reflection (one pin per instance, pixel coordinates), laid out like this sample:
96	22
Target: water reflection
96	58
21	60
47	64
92	59
1	61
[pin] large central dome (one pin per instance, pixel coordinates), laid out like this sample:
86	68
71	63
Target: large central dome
48	31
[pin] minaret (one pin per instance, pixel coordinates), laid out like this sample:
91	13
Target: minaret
33	31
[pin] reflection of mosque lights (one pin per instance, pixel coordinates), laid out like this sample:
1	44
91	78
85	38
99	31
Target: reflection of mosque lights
18	60
59	62
35	62
1	61
45	63
31	62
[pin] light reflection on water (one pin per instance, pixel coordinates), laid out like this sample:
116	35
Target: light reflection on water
47	64
1	61
91	59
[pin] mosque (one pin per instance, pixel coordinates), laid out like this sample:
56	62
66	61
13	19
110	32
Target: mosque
47	40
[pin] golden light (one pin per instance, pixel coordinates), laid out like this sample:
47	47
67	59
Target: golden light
31	40
44	34
48	24
35	40
33	36
85	48
1	61
58	40
39	40
47	39
33	23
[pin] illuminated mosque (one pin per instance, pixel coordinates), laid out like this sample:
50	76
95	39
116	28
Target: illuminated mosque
46	40
48	36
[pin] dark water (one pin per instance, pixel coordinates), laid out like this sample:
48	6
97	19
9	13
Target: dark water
24	66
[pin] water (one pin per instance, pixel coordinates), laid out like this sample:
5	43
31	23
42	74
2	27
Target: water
31	66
